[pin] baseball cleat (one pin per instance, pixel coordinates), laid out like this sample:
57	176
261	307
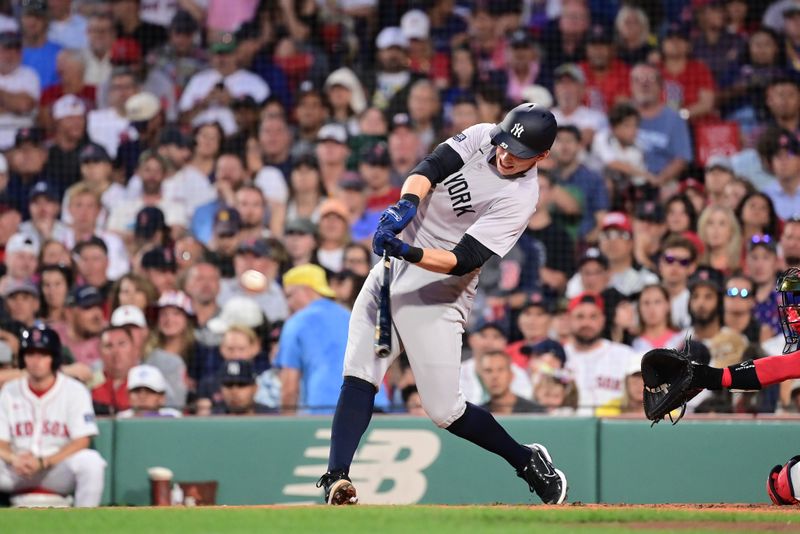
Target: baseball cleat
339	489
542	477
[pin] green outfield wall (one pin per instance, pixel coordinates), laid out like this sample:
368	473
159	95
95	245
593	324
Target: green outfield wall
270	460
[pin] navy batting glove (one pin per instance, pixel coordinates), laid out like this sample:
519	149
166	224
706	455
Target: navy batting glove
386	241
396	217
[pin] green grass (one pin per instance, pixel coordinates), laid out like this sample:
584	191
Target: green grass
382	520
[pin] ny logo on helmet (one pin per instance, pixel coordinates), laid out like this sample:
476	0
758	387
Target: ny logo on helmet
517	130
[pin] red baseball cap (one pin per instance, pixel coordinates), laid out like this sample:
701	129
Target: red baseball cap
126	51
691	183
586	297
617	219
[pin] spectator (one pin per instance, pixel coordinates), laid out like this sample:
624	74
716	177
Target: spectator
275	142
43	207
21	87
158	266
412	401
238	390
789	243
144	112
649	231
632	401
757	216
334	234
38	52
301	242
616	243
229	176
705	304
680	214
96	173
533	321
331	153
250	203
208	93
570	86
150	229
310	112
64	463
524	66
424	110
97	55
463	114
364	222
389	89
598	365
784	162
119	355
721	50
357	259
496	375
131	318
633	31
20	259
135	290
54	283
656	330
556	392
171	346
739	305
308	366
130	25
146	394
91	258
174	146
85	323
718	174
152	171
54	252
22	302
202	285
545	357
606	76
722	238
261	256
66	28
688	84
677	261
108	125
85	209
663	133
579	194
405	147
63	164
306	190
566	36
27	161
374	169
783	103
761	265
70	66
544	231
188	251
346	98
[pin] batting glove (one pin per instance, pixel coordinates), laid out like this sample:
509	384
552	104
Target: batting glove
386	241
396	217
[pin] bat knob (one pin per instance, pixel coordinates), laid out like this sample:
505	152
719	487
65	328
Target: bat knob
382	351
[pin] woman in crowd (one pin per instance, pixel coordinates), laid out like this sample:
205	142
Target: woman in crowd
54	284
722	236
633	35
557	392
306	191
334	234
655	326
192	183
346	98
734	191
762	264
55	253
757	216
133	289
171	346
680	215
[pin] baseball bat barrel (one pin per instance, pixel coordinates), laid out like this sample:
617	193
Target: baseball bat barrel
383	322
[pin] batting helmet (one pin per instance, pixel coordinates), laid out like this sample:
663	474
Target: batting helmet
788	289
527	131
41	338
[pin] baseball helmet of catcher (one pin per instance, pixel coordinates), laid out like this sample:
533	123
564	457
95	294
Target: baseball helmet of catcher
788	289
40	338
526	131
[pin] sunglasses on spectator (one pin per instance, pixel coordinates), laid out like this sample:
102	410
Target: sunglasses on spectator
741	292
670	259
616	234
760	238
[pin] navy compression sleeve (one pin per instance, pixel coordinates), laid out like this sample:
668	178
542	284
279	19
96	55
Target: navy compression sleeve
439	164
470	254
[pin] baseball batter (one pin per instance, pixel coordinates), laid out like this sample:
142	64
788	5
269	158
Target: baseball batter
468	200
46	423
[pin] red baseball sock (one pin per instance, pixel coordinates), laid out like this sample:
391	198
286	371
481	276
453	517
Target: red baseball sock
770	370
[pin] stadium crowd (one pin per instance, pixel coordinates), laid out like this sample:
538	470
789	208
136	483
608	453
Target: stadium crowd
153	151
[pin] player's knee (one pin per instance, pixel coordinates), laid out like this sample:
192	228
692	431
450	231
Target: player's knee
88	462
783	482
444	414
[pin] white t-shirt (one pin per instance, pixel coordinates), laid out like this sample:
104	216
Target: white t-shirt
583	118
240	83
69	33
21	80
189	187
272	183
606	149
600	373
106	127
123	217
473	390
43	425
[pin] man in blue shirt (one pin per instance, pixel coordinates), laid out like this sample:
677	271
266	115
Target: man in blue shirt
312	343
663	133
783	157
37	52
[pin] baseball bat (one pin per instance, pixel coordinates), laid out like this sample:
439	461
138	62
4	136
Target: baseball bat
383	321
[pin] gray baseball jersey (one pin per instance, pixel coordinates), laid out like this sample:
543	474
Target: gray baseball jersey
474	200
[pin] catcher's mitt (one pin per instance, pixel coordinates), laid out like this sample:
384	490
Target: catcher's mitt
667	375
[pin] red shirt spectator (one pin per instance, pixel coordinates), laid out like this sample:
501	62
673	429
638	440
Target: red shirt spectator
683	89
603	90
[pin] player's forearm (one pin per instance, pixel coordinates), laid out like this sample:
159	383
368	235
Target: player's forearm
438	261
5	452
66	451
416	184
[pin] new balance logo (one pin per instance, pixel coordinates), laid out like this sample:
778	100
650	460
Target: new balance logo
517	130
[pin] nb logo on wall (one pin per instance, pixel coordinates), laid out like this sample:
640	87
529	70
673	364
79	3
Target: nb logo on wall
517	130
387	469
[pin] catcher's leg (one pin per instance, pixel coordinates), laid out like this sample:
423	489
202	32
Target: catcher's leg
783	482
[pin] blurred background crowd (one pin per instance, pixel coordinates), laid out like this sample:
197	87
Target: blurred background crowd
155	150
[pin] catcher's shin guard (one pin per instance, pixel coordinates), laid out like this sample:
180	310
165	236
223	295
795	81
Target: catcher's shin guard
779	483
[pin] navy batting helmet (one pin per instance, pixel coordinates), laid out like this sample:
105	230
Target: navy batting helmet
40	338
527	131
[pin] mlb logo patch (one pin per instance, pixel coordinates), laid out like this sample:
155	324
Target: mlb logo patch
459	137
88	418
